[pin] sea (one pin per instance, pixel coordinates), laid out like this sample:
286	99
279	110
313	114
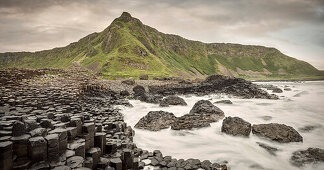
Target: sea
301	106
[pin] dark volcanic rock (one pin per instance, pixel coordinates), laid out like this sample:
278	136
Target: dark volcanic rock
124	93
277	132
224	102
138	90
236	126
277	90
309	128
270	149
201	115
149	98
311	155
18	128
172	100
215	84
206	109
190	121
156	120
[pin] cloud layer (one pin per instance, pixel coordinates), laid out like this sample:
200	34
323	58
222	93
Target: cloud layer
296	27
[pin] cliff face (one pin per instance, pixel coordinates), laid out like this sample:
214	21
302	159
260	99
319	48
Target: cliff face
129	48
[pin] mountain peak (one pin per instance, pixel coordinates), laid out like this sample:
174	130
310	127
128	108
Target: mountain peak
126	15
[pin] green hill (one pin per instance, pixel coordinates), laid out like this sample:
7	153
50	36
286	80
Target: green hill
128	48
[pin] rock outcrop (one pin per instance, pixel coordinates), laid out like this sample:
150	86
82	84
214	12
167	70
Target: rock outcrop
172	100
277	132
224	102
236	126
215	84
310	155
201	115
156	120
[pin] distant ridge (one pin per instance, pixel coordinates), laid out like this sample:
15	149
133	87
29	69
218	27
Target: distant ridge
128	48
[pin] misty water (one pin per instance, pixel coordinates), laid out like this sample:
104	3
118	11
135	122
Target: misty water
300	107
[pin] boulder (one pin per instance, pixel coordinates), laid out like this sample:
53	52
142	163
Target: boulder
277	132
172	100
18	128
207	110
124	93
138	90
236	126
277	90
156	120
143	77
129	81
189	121
311	155
149	98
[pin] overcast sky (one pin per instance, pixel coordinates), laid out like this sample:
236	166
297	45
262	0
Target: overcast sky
295	27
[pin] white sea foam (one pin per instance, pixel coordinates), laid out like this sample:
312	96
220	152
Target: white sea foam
302	106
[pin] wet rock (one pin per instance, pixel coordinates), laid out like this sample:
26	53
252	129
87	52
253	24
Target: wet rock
268	148
277	90
156	120
62	133
311	155
47	124
100	141
18	128
20	145
309	128
37	148
236	126
72	132
6	155
31	124
52	146
206	109
172	100
38	132
94	153
75	162
277	132
124	93
116	163
40	166
190	121
149	98
201	115
78	147
223	102
138	90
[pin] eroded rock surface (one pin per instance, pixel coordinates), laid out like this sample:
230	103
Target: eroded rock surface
236	126
310	155
277	132
172	100
156	120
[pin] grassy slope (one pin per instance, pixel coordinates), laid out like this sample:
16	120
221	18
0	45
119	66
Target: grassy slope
129	48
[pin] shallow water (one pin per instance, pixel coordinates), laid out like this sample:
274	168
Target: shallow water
300	107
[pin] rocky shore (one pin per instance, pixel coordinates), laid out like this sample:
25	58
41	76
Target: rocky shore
68	119
55	119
